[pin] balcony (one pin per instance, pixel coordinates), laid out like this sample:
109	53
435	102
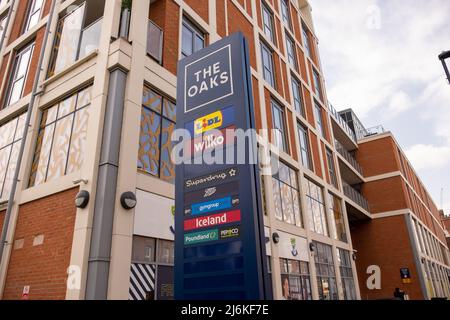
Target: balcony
348	157
374	131
155	37
344	126
356	197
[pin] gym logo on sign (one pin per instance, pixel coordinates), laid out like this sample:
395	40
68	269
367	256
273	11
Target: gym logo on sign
209	122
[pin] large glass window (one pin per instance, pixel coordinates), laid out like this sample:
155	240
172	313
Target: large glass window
19	75
34	13
331	168
291	52
338	218
286	13
267	61
268	22
192	39
319	119
155	145
345	267
286	195
298	97
279	126
316	209
326	276
295	280
60	146
304	147
10	137
77	35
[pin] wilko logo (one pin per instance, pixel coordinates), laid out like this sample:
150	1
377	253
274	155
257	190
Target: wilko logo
213	220
203	236
228	233
209	122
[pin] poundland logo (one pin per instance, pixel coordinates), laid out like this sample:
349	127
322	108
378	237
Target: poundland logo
208	79
199	237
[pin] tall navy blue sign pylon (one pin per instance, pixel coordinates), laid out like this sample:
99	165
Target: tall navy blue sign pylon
219	232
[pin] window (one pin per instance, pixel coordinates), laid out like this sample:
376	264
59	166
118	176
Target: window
297	95
317	86
306	42
155	146
345	267
331	168
34	13
316	209
10	137
304	147
291	53
295	280
286	195
338	218
326	276
2	25
61	140
267	22
155	41
285	13
19	75
267	61
151	276
278	126
77	35
193	39
319	119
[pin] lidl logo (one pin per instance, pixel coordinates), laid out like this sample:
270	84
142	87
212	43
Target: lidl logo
203	236
209	122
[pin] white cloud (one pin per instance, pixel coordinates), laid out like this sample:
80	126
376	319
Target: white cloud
428	156
399	102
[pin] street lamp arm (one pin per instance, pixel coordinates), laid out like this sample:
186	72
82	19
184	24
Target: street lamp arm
444	57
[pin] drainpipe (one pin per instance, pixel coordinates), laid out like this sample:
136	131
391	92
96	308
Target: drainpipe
25	131
8	18
102	228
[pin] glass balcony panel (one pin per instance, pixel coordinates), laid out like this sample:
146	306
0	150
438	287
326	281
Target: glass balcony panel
90	39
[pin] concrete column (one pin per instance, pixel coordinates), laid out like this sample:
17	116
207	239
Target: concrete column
123	225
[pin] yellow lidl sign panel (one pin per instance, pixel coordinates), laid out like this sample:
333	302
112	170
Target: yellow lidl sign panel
209	122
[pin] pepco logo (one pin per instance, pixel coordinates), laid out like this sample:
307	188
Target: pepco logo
209	122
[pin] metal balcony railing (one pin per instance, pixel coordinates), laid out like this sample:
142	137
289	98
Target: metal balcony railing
347	156
356	197
342	123
374	131
155	36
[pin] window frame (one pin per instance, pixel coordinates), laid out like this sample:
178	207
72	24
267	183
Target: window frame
271	68
31	11
290	43
312	203
162	119
14	70
331	167
286	13
317	84
305	150
298	103
195	32
319	119
306	41
266	10
277	107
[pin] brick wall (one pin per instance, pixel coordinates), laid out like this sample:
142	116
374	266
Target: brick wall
19	20
385	195
200	7
166	14
385	243
42	267
377	157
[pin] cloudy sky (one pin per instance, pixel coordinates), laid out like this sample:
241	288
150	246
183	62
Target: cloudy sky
380	58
